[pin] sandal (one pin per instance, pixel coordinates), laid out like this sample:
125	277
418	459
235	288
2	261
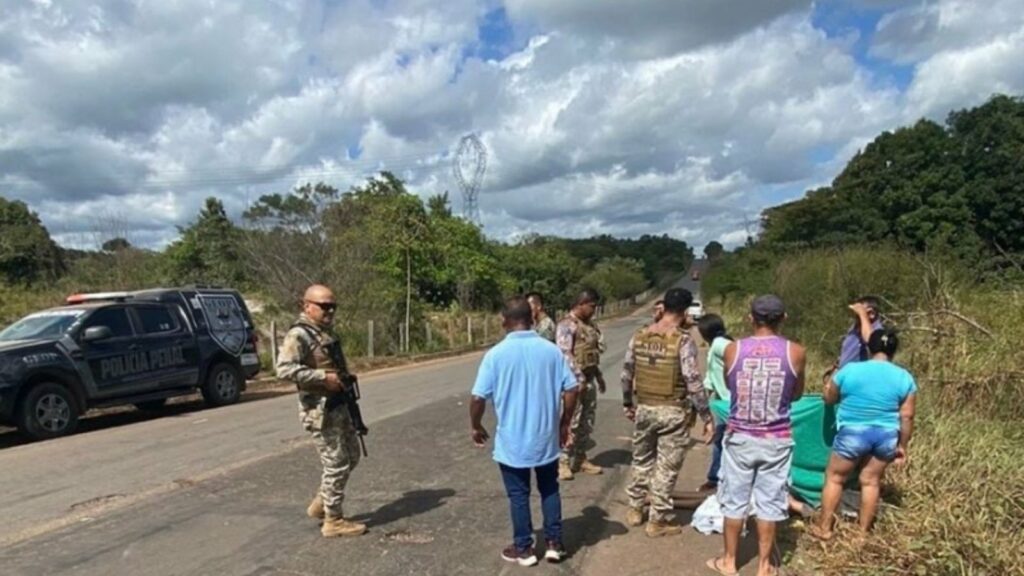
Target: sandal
715	565
815	531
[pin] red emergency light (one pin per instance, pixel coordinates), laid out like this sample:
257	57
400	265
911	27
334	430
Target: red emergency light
97	297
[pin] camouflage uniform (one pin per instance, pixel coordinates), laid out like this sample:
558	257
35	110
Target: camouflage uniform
662	370
546	328
580	342
303	359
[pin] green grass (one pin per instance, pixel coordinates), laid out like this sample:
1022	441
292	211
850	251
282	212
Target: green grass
957	508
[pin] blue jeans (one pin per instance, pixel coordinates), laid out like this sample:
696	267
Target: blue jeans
855	442
517	486
716	453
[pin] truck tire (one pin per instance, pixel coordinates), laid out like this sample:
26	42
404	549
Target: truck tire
47	411
151	405
223	385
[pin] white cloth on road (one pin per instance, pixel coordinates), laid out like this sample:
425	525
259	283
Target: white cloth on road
708	519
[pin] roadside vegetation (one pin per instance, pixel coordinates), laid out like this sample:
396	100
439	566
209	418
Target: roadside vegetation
408	265
929	219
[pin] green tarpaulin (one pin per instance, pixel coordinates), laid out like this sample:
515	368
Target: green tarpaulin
814	427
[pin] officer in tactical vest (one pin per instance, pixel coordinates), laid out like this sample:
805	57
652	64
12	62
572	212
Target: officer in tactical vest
312	358
661	387
581	342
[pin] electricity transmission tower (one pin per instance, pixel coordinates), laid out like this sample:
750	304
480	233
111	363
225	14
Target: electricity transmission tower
468	166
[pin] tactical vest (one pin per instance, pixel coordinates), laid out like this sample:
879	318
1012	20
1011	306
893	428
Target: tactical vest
585	348
658	378
322	356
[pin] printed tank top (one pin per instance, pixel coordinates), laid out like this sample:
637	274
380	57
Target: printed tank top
761	381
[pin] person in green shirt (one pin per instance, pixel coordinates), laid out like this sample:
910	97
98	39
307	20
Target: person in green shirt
712	330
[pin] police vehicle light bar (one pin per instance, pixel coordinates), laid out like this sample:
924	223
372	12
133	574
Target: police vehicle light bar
96	296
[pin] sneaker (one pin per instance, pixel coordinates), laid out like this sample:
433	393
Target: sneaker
555	552
590	468
635	517
521	557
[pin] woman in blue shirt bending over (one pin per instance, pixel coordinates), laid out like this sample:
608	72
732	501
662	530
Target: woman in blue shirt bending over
875	418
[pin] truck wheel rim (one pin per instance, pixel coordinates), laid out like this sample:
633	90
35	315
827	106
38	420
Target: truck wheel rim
225	384
52	412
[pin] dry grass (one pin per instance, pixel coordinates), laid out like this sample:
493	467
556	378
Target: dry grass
958	506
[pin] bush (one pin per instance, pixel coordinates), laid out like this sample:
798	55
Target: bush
958	507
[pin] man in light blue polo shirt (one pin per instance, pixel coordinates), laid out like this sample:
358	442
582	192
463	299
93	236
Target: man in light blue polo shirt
528	380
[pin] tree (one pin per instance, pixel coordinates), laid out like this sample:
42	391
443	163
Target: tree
438	205
714	250
616	278
287	245
209	250
116	245
27	253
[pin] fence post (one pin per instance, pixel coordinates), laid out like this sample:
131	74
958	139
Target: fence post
487	325
369	339
430	339
273	342
469	329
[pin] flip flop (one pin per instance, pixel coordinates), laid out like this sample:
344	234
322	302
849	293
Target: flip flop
714	565
817	533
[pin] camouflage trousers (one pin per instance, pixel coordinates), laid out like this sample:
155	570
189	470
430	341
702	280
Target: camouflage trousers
582	427
659	446
338	446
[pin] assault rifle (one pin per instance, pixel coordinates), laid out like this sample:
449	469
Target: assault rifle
350	398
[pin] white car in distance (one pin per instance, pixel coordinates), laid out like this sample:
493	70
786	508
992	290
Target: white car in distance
696	310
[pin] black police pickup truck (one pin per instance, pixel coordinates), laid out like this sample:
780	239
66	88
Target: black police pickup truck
119	348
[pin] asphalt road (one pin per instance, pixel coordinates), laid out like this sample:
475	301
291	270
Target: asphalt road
223	491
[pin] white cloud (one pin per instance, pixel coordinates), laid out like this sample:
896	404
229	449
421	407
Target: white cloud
608	117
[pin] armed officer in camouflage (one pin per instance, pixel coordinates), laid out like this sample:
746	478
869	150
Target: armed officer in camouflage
312	358
581	342
661	388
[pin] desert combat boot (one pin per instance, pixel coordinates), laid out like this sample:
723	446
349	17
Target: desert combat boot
635	517
334	527
656	528
316	508
588	467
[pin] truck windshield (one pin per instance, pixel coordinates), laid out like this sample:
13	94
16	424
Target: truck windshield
49	324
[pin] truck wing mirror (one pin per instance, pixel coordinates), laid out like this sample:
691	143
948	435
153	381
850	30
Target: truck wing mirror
96	333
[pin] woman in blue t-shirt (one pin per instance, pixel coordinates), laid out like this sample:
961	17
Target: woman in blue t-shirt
875	418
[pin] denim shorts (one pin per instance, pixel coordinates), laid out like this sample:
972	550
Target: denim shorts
757	467
856	442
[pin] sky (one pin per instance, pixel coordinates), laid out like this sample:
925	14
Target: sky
678	117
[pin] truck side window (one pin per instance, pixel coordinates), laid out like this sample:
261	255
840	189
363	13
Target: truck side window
156	319
114	318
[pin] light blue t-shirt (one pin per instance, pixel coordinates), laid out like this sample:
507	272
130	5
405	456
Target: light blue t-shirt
524	377
871	392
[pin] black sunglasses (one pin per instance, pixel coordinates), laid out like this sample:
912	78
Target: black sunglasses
325	306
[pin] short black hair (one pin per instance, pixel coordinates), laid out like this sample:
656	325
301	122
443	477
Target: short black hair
872	302
772	322
536	296
884	340
677	300
517	311
711	326
587	296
